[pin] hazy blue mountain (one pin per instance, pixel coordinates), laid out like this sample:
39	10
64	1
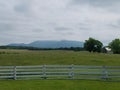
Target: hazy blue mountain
51	44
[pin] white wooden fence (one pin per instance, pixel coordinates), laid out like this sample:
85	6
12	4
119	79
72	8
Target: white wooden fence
59	72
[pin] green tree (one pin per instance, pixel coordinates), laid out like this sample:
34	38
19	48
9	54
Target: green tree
115	46
93	45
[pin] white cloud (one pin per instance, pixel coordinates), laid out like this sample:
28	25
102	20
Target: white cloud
29	20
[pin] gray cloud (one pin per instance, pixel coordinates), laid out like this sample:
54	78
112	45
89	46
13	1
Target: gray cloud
109	5
114	25
23	8
63	29
84	28
38	30
4	27
101	3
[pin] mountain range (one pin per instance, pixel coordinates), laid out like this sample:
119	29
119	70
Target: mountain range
51	44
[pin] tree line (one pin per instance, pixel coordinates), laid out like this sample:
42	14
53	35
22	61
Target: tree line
35	48
93	45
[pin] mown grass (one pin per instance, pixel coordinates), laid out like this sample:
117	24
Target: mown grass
59	85
25	57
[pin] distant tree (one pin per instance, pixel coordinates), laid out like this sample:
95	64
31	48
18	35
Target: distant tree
93	45
115	46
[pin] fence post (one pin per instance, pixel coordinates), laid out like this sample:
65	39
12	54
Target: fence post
44	72
14	72
72	72
105	73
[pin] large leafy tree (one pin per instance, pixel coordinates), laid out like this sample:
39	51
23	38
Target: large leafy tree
93	45
115	46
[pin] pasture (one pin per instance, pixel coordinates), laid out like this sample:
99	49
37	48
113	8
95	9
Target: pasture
25	57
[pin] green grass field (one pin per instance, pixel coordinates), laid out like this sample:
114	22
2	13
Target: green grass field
59	85
24	57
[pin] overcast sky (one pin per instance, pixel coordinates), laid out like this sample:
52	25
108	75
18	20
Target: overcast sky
24	21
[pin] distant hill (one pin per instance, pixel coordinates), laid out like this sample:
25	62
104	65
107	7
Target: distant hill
51	44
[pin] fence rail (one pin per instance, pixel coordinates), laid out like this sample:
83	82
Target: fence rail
59	72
